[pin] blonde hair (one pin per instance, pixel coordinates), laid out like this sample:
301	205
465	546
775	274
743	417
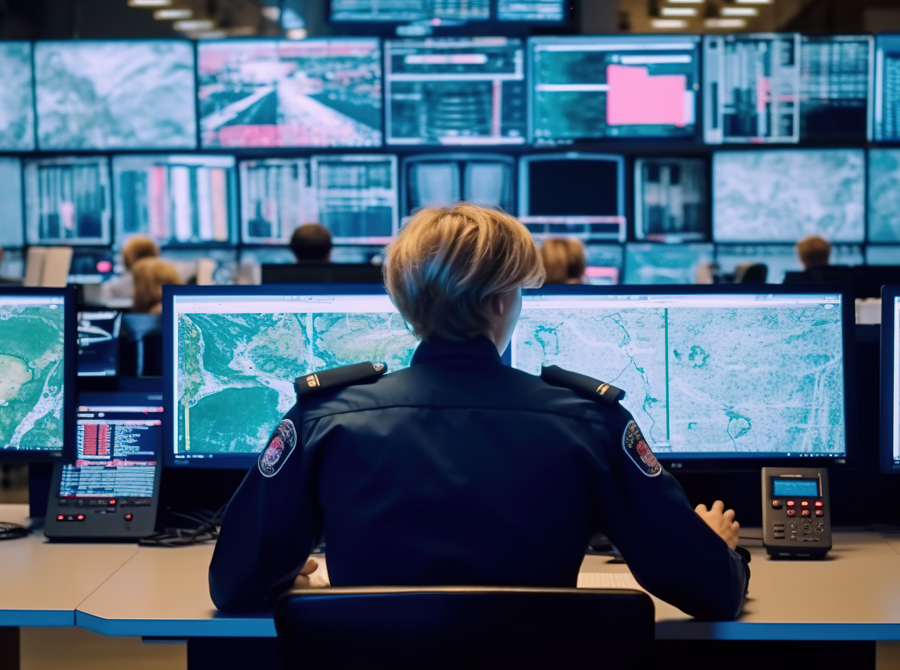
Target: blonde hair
814	252
150	275
563	260
447	264
138	247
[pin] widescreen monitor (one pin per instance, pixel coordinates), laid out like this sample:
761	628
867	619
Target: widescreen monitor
409	11
886	105
882	255
603	264
12	215
532	11
884	195
245	347
627	86
442	180
670	199
573	193
177	200
37	371
455	91
890	379
778	258
713	376
647	263
16	97
751	88
290	93
91	265
67	201
785	195
121	94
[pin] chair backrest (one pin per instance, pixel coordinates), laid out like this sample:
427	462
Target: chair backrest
465	627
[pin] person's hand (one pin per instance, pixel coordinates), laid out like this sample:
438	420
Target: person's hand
721	520
303	579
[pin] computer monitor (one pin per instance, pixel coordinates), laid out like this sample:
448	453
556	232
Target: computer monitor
532	11
12	215
751	88
98	343
178	200
322	273
115	94
779	259
604	264
670	199
624	86
885	117
575	193
37	371
455	91
835	71
277	196
714	376
665	263
16	97
890	379
290	93
91	265
882	255
67	201
243	346
785	195
442	180
408	11
884	195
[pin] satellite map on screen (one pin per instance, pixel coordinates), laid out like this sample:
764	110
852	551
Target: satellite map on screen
271	93
783	196
16	98
31	377
884	195
724	380
115	95
251	361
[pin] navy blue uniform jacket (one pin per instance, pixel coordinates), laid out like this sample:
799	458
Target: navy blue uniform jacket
463	471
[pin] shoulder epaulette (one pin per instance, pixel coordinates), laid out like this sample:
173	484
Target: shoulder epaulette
585	385
337	377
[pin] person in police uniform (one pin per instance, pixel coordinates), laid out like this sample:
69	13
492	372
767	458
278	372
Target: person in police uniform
460	470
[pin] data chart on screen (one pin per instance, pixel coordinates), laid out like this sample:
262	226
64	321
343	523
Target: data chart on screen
665	263
613	87
442	180
12	215
290	93
886	105
175	200
455	91
246	351
407	11
784	196
16	97
670	199
705	376
135	94
537	11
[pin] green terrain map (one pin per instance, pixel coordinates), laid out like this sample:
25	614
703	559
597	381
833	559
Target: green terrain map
236	372
31	377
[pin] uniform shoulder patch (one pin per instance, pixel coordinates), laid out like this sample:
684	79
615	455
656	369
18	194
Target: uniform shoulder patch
348	375
592	388
638	450
279	449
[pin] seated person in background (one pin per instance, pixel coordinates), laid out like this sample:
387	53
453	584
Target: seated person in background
135	249
814	252
460	470
150	275
751	273
311	242
563	260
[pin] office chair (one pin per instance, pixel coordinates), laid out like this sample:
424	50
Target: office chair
140	353
464	627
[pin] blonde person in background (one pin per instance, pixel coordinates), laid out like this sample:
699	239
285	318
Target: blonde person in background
814	252
150	275
563	260
135	249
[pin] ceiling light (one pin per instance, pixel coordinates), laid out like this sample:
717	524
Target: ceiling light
296	34
149	3
172	14
678	11
725	23
753	2
739	11
195	25
669	24
686	2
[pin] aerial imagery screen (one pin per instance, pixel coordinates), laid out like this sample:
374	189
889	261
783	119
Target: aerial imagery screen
287	93
884	195
783	196
715	376
115	95
32	340
16	97
247	351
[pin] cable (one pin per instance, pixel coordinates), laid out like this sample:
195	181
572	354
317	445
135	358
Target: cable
185	537
12	531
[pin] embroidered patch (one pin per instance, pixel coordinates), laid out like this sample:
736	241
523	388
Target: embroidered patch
638	450
279	449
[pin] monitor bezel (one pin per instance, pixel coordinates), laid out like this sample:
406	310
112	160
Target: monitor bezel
242	461
70	365
888	402
848	319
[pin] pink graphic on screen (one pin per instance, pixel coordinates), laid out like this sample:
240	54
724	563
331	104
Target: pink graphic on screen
635	98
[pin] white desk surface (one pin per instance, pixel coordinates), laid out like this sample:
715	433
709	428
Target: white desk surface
854	594
42	583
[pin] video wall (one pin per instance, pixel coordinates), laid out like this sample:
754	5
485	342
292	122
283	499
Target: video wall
659	152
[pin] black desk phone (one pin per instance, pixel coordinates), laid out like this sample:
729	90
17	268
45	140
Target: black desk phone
796	512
